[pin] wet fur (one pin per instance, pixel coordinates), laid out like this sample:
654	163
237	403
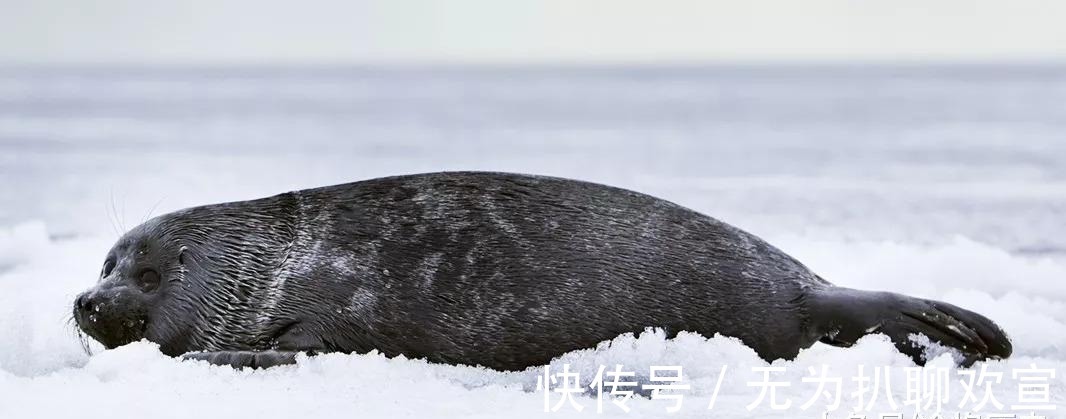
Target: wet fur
501	270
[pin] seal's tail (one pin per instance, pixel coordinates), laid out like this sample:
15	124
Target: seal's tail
841	316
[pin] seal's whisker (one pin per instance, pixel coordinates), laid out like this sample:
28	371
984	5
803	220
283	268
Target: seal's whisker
107	211
122	219
151	210
83	339
112	216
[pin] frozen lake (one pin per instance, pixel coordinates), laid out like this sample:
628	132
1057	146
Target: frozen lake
941	182
881	153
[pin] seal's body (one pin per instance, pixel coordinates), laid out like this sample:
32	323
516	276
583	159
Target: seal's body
501	270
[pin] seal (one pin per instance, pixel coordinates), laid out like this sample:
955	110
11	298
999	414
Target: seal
501	270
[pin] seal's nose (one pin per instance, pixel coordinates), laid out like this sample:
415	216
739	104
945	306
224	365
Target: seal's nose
83	303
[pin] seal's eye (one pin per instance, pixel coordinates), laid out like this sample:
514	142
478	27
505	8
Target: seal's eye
148	280
109	265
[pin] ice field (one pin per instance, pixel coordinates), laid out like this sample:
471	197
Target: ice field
939	182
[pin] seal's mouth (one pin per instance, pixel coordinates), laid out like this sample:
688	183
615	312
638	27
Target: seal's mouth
109	319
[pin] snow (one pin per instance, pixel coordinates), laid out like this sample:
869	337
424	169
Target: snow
42	361
939	183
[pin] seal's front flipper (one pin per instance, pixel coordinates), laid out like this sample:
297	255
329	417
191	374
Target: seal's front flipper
840	316
245	359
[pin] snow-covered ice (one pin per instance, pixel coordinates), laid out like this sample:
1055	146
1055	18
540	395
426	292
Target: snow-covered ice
944	183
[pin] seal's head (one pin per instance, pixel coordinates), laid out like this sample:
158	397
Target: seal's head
193	280
134	277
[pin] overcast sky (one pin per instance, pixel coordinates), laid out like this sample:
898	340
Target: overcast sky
199	32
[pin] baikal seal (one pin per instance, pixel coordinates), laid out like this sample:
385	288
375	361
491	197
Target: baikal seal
500	270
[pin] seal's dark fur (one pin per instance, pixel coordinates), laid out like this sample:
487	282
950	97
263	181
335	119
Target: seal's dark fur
501	270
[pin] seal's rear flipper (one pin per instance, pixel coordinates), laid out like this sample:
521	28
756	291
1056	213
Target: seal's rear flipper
840	316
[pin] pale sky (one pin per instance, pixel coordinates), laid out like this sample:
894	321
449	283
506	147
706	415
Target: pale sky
220	32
